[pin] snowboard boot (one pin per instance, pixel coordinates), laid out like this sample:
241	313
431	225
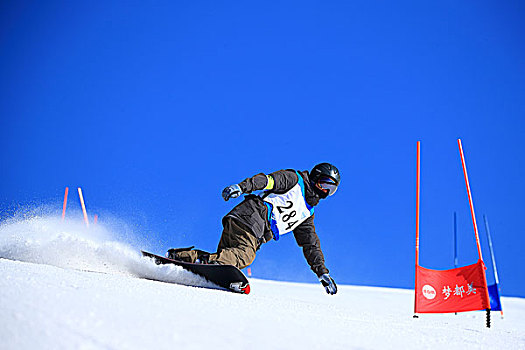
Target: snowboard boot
190	255
173	253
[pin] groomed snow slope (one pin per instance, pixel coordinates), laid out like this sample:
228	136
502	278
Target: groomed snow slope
55	303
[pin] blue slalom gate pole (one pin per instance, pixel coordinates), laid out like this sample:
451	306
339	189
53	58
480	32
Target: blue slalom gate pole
494	289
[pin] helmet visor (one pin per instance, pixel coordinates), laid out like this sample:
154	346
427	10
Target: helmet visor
327	185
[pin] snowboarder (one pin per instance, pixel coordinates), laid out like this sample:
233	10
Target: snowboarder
285	205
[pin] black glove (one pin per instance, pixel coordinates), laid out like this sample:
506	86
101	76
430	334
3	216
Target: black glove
232	191
328	283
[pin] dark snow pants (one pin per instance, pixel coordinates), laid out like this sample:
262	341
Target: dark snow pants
237	246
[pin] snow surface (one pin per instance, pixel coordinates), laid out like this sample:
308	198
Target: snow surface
97	294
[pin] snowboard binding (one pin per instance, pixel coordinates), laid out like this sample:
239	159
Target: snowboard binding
200	256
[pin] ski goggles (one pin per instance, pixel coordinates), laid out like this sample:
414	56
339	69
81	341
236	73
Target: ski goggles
327	185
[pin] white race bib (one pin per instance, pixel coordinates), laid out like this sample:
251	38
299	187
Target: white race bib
288	210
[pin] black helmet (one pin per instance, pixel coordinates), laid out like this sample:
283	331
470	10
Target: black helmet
325	178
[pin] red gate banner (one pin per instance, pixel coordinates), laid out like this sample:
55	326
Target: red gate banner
455	290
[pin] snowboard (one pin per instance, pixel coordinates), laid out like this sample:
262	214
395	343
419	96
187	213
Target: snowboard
225	276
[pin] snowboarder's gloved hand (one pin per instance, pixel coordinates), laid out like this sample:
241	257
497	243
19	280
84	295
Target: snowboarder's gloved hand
328	283
232	191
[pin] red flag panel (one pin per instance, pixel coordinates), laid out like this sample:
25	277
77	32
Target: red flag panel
456	290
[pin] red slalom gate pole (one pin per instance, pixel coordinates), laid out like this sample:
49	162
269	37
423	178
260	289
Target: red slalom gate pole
65	204
418	182
471	202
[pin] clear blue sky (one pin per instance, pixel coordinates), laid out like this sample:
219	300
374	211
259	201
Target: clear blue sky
154	107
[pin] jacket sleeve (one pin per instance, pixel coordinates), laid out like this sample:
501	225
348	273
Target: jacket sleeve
308	240
283	180
254	183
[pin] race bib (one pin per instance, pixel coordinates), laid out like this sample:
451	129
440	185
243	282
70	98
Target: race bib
288	210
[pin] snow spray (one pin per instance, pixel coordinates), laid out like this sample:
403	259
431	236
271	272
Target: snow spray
49	239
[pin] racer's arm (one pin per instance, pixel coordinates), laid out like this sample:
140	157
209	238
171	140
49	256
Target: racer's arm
307	239
279	181
256	183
